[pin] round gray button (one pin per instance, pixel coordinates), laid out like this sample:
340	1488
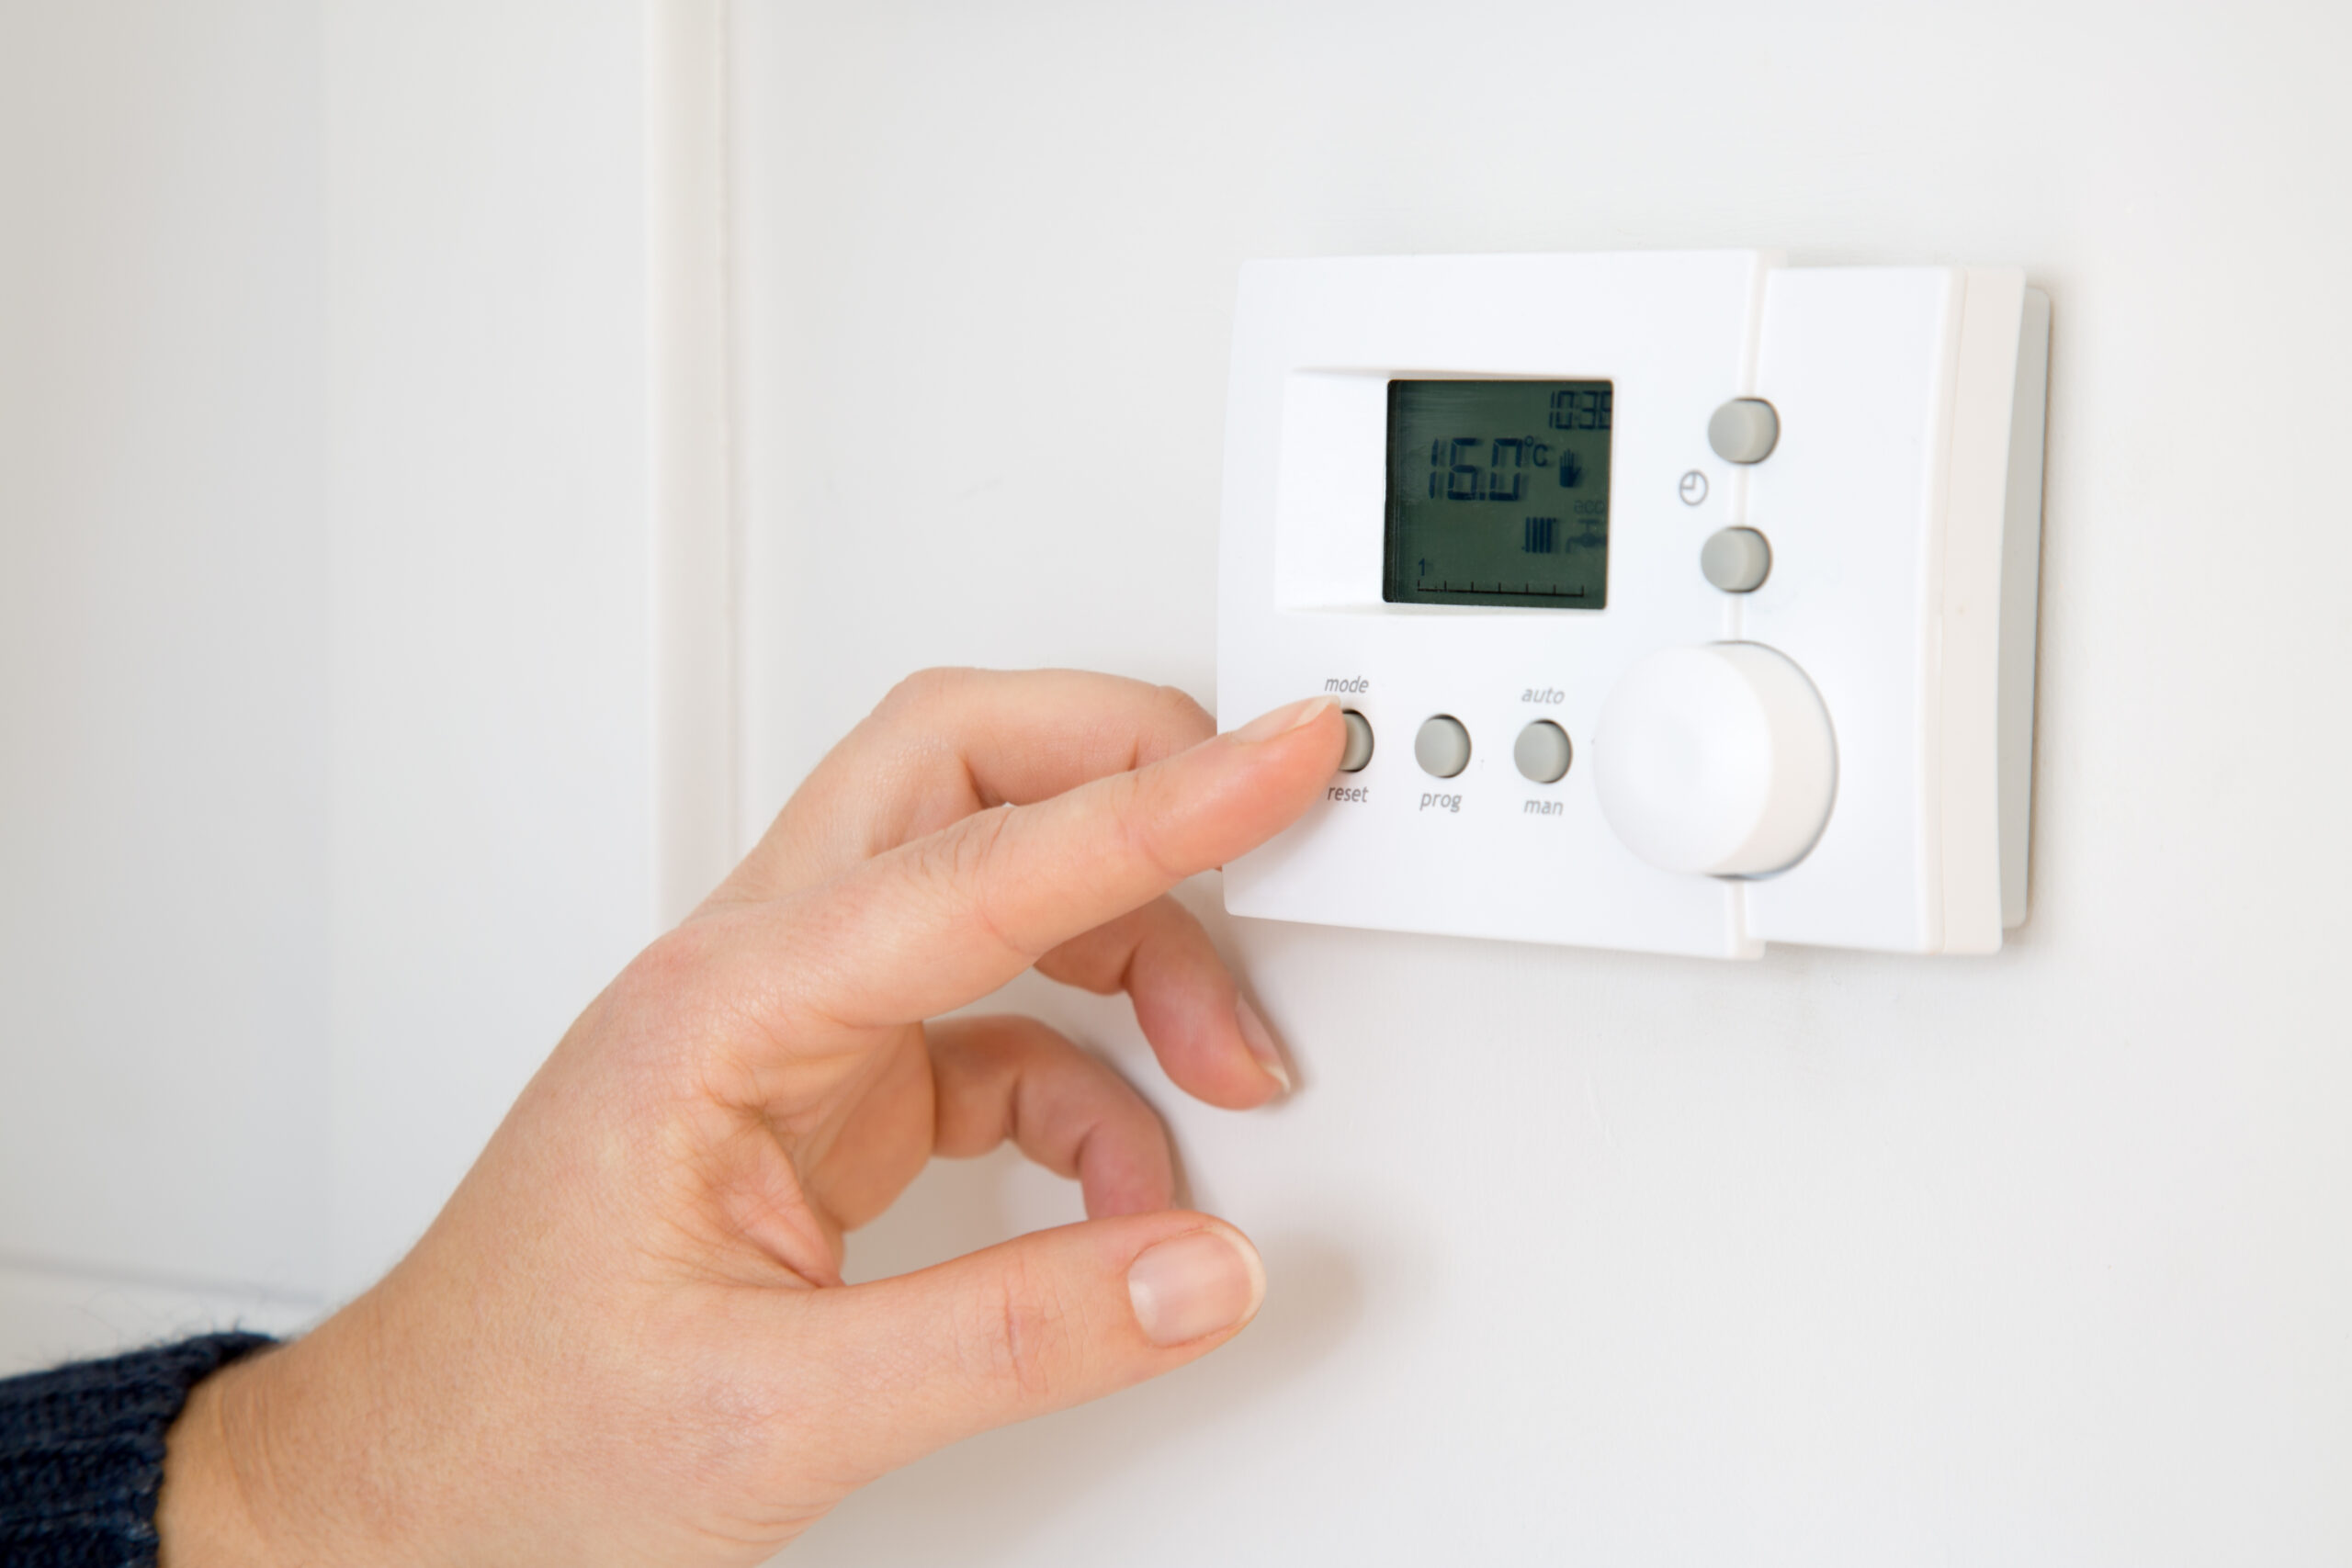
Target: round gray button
1737	560
1543	751
1743	430
1359	751
1442	747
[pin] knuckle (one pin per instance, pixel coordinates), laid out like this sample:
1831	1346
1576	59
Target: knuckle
923	691
1136	807
672	959
971	846
955	866
685	962
1032	1340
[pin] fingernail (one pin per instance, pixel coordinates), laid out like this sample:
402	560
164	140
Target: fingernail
1284	719
1195	1285
1260	1041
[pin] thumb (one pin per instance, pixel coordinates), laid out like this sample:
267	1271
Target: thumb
1038	1324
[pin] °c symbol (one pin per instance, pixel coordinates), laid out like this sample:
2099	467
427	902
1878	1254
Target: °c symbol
1694	487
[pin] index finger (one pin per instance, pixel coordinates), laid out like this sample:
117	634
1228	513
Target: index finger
949	917
947	743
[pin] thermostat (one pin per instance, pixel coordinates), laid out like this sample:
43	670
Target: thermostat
1678	602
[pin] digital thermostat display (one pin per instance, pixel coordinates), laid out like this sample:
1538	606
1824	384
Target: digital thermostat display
1498	494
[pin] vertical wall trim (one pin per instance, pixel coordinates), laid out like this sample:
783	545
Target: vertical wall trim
696	622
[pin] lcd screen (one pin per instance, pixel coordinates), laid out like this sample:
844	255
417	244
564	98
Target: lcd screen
1499	493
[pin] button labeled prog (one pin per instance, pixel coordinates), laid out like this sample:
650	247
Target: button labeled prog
1442	747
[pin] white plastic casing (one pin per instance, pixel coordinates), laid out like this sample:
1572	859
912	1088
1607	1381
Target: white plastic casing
1903	508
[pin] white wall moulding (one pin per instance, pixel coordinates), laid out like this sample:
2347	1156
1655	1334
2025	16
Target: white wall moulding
695	616
369	631
163	795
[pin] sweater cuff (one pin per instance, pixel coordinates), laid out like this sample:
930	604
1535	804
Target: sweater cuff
82	1451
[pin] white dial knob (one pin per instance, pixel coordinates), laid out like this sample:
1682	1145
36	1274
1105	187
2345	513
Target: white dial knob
1717	760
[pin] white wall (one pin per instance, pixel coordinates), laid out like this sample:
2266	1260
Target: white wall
1575	1256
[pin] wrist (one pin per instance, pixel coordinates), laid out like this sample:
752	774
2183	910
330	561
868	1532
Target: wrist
269	1457
309	1454
205	1515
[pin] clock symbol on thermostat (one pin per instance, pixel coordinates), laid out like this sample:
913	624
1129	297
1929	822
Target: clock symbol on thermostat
1694	487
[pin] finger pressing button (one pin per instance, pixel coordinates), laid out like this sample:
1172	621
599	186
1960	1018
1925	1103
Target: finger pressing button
1359	748
1542	752
1442	747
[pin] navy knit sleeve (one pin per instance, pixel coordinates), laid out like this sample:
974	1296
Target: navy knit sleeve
82	1452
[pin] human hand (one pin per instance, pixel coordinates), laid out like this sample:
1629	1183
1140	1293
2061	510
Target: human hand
627	1338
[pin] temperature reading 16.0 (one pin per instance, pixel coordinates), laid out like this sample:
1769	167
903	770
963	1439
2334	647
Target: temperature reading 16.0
1499	493
1479	467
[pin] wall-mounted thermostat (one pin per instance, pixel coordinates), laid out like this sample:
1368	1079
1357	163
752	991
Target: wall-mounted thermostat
1682	602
